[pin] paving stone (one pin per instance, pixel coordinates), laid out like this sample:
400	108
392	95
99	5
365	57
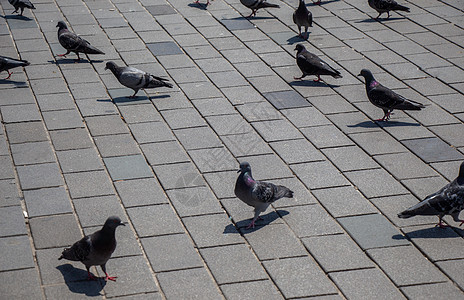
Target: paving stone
375	183
448	169
88	184
191	118
267	167
319	175
366	283
372	231
446	289
242	94
154	220
69	139
192	283
432	150
251	289
289	275
7	171
276	130
422	187
197	138
213	106
452	269
170	178
21	284
377	143
258	111
39	176
25	132
213	159
246	144
79	160
12	221
140	113
32	153
164	153
74	290
405	165
48	201
171	252
237	259
127	167
151	132
194	201
304	117
20	113
164	48
140	192
93	211
406	265
349	158
105	125
326	136
44	237
62	119
451	134
9	192
337	253
16	96
297	151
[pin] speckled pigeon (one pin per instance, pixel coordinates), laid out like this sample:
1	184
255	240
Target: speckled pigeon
95	249
21	4
7	63
257	193
447	201
382	6
303	17
136	79
74	43
310	64
385	98
254	5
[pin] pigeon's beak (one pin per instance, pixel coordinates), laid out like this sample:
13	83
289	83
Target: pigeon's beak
359	74
106	68
122	224
295	49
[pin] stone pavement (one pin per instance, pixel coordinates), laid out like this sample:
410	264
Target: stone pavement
74	150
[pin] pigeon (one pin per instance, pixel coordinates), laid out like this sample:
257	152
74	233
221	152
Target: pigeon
303	17
385	98
21	4
74	43
198	2
95	249
7	63
136	79
447	201
382	6
254	5
310	64
257	193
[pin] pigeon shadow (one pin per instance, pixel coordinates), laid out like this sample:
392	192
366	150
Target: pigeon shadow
76	280
68	61
251	18
372	20
14	82
159	96
431	233
16	17
312	83
241	226
374	124
198	5
296	39
321	3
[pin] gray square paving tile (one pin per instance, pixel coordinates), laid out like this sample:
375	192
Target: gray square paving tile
194	201
445	289
213	106
286	99
350	158
164	48
139	192
326	136
267	167
12	221
237	24
190	118
331	104
151	132
89	184
39	176
213	159
171	252
20	113
26	132
192	283
406	265
155	220
139	113
242	94
432	150
451	134
10	193
170	177
268	84
68	231
251	289
62	119
75	290
89	108
276	130
127	167
93	211
32	153
53	271
197	138
229	124
227	79
237	259
452	269
200	90
216	182
7	171
103	125
290	276
367	283
405	165
321	174
353	122
258	111
375	183
306	116
337	252
254	69
164	153
69	139
246	144
372	231
48	201
297	151
79	160
377	143
23	284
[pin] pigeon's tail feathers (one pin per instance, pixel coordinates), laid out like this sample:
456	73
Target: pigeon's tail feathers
409	105
160	81
70	254
405	214
265	4
89	49
427	207
283	192
337	74
401	7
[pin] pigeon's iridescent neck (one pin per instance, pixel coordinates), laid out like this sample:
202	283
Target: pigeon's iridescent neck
248	179
373	84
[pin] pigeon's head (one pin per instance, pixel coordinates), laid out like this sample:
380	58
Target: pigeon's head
244	167
111	65
365	73
299	48
61	25
113	222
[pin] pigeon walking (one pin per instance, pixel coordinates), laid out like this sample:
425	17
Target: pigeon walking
385	98
257	193
254	5
95	249
382	6
310	64
303	17
447	201
136	79
7	63
74	43
21	4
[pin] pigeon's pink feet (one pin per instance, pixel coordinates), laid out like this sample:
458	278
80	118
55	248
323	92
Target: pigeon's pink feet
91	277
318	2
251	225
197	2
9	75
108	277
62	55
441	225
380	120
318	79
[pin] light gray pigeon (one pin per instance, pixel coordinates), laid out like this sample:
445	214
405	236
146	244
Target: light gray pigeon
311	64
382	6
257	193
303	17
447	201
74	43
254	5
385	98
21	4
95	249
136	79
7	63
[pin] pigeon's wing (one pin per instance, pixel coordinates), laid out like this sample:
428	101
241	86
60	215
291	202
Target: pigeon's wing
79	251
7	63
71	41
385	4
383	97
307	63
27	3
132	77
267	192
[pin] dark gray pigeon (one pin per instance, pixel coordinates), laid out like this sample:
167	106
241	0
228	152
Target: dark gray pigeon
7	63
257	193
382	6
303	17
136	79
95	249
21	4
447	201
310	64
385	98
254	5
74	43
